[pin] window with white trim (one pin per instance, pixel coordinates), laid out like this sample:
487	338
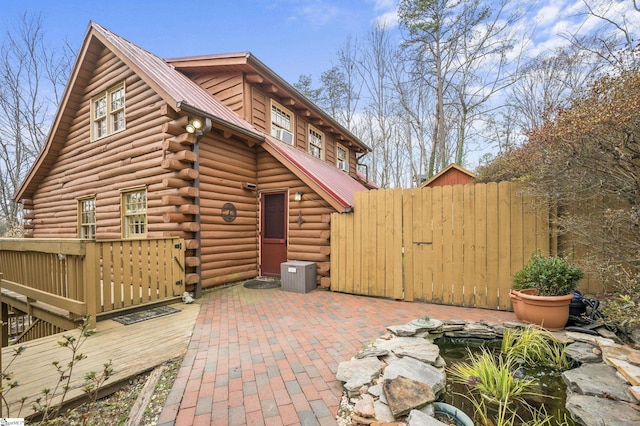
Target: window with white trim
316	142
107	112
282	121
87	218
134	213
342	158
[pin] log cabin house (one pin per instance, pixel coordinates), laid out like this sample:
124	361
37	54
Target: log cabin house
217	149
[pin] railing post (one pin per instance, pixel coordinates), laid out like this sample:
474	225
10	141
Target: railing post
4	334
91	281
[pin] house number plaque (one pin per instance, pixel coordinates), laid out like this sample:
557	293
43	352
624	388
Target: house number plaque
229	212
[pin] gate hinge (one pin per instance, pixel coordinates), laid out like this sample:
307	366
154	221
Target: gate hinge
179	283
178	246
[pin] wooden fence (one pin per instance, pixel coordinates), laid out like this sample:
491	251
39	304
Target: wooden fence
60	281
456	245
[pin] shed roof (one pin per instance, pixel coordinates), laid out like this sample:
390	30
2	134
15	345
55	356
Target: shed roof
451	167
182	93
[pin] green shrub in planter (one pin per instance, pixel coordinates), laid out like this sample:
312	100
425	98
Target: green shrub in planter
552	276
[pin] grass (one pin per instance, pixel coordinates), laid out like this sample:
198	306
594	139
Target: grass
535	346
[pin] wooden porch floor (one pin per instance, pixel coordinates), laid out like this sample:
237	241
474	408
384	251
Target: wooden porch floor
133	349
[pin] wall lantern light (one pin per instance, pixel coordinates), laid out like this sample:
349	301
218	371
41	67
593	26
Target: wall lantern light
297	196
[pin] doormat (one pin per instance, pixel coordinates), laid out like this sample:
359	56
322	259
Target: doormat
135	317
262	284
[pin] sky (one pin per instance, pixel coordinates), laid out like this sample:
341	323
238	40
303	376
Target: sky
292	37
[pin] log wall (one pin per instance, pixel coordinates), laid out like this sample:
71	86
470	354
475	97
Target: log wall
309	219
226	87
104	167
232	90
229	249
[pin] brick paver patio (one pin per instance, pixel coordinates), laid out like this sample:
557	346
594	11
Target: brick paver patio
269	357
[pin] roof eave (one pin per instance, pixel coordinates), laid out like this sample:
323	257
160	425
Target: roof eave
21	193
221	122
258	64
336	202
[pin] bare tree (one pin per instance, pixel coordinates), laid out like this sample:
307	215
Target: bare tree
614	35
376	57
342	85
458	47
304	85
32	79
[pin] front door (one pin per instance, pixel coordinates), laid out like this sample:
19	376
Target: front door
273	235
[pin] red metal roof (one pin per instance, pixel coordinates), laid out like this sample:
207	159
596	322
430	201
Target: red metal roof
176	85
179	87
334	181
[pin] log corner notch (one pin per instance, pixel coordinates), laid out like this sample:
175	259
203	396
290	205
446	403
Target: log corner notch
27	215
181	203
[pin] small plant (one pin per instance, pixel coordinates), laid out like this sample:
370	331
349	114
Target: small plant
493	385
551	276
495	389
491	375
44	405
7	382
535	346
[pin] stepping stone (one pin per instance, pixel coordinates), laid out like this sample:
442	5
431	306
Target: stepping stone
404	394
583	352
359	372
416	370
593	411
597	380
418	418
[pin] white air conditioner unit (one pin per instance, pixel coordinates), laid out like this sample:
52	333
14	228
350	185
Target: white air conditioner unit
343	165
284	135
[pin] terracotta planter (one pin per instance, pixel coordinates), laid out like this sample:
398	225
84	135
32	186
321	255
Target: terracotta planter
550	312
517	305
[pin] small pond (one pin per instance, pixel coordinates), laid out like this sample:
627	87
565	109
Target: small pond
549	385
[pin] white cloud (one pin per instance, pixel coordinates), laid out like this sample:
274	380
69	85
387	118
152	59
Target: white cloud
386	13
315	12
547	15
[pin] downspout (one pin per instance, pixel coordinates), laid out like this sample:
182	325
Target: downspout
366	167
196	183
197	218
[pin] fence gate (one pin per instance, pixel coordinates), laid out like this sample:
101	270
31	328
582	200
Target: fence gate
455	245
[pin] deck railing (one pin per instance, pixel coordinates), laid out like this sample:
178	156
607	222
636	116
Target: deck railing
69	279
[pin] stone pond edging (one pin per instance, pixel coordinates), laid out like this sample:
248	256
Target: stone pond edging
402	373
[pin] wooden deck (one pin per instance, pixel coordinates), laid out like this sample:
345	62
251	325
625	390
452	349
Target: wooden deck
133	349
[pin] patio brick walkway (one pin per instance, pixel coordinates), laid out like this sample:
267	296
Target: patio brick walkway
269	357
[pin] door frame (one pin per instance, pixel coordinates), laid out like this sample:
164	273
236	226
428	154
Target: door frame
262	194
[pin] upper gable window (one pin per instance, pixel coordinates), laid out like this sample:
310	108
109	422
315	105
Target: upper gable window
342	158
316	143
107	112
281	123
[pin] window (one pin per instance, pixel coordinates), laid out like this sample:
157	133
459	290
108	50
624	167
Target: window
281	123
87	218
134	214
342	158
107	112
316	143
